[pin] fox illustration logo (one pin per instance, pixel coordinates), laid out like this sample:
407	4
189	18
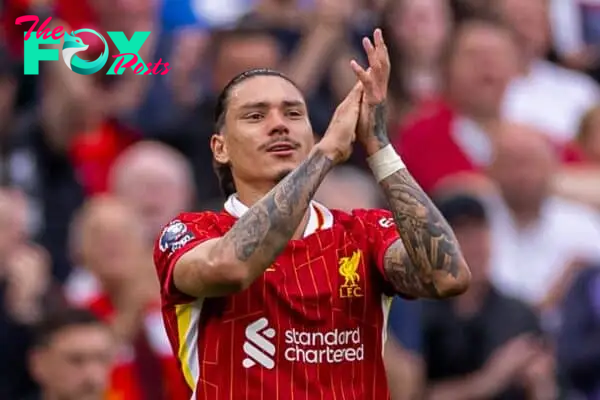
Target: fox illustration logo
74	45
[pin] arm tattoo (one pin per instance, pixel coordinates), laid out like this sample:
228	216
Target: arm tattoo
428	248
379	125
260	235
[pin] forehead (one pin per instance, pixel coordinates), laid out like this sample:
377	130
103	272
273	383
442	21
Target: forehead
264	89
482	35
81	336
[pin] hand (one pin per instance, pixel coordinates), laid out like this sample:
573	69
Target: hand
508	362
376	78
341	133
28	277
372	125
539	377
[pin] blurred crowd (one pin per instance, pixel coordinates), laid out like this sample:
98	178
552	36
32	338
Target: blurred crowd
494	108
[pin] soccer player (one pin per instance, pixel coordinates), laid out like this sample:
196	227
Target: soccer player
277	295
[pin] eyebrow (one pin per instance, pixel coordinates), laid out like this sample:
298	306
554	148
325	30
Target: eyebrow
264	104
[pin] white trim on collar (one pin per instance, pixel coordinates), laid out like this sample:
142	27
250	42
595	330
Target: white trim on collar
319	218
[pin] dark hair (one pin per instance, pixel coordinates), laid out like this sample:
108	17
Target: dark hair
223	171
55	322
460	208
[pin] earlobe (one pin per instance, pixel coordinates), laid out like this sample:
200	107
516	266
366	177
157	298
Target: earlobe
219	149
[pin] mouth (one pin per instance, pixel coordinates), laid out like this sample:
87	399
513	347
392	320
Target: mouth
282	148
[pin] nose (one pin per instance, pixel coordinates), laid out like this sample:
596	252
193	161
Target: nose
277	124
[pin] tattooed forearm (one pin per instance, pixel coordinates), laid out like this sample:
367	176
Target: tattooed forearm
427	261
434	266
264	230
404	276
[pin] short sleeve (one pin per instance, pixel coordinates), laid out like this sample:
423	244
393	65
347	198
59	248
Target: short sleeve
380	231
177	238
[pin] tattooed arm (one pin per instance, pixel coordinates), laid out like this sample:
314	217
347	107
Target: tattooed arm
426	261
232	262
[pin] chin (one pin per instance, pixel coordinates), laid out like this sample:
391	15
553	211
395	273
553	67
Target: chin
282	174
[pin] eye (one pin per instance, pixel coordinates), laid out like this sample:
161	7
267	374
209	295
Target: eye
295	113
254	116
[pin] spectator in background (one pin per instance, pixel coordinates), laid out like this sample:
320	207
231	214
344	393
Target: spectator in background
25	294
483	345
546	96
453	136
415	32
539	239
109	243
8	88
71	357
579	336
348	188
156	181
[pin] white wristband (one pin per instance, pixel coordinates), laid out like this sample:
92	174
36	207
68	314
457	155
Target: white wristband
385	162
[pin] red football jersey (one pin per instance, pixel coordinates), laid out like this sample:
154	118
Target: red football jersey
311	327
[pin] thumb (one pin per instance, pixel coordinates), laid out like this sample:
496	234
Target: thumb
356	93
354	96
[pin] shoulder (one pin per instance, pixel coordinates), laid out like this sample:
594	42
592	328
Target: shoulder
579	84
571	212
364	218
191	227
202	218
197	222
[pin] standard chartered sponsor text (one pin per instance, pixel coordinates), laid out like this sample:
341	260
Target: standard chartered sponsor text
332	347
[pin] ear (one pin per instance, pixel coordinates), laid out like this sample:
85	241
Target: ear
219	148
35	362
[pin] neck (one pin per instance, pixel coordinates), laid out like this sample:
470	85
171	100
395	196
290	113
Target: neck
421	77
113	290
250	195
490	124
527	58
421	66
526	216
489	119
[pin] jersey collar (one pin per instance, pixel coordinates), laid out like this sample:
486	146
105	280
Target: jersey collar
319	217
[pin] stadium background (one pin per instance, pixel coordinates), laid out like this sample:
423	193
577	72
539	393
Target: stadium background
473	115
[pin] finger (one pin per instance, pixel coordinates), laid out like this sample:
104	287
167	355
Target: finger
357	92
378	39
370	50
362	75
353	94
